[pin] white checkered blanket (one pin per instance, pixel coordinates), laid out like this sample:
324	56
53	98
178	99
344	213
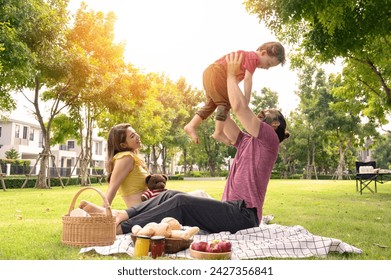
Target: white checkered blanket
267	240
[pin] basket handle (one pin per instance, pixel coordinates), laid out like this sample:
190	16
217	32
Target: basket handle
105	201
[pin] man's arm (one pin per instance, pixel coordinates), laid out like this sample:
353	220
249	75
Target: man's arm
248	84
231	130
247	118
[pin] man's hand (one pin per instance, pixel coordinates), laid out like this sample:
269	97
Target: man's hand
233	64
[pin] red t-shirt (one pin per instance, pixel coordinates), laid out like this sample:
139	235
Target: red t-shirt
252	167
249	62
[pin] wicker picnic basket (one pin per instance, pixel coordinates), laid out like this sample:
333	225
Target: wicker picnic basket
96	230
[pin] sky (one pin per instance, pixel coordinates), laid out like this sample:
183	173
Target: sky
182	37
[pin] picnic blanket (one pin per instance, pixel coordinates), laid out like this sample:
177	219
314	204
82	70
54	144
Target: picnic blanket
267	240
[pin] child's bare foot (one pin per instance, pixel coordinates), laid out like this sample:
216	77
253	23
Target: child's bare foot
221	137
191	131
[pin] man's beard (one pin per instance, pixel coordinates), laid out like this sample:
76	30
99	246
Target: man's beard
268	120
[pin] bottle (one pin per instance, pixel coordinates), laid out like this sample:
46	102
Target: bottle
141	248
157	246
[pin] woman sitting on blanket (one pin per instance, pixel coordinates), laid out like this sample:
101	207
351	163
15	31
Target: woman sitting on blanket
125	169
244	193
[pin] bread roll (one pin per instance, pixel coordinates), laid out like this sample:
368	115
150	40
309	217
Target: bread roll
174	224
146	230
163	229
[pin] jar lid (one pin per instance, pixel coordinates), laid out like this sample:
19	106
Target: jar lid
143	236
157	237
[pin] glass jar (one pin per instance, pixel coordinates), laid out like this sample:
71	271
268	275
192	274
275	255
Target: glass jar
157	246
141	248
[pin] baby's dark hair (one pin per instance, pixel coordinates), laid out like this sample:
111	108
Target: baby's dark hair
274	49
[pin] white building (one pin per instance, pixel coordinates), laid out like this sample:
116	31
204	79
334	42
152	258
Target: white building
26	138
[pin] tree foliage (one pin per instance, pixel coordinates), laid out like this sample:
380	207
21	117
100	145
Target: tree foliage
266	99
382	152
356	30
12	154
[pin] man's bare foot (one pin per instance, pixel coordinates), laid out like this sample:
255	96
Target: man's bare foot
120	216
221	137
91	208
191	131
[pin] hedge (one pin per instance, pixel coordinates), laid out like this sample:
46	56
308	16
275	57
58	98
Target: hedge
17	182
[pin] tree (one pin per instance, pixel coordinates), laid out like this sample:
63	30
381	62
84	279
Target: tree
33	58
176	140
267	99
214	151
191	101
358	31
12	154
345	130
382	152
101	80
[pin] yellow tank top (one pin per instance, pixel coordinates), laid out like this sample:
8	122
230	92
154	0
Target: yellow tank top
135	181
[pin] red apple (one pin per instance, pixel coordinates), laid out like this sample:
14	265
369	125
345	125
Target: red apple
213	247
225	246
199	246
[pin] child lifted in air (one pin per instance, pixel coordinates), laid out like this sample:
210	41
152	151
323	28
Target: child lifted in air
215	85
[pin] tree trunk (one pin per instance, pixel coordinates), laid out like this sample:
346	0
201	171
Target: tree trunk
212	167
185	161
155	156
164	160
86	150
313	161
341	162
41	182
308	168
84	163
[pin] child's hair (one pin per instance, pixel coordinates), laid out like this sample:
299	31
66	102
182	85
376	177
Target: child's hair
117	135
274	49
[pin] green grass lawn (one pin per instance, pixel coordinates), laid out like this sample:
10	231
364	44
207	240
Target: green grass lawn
31	224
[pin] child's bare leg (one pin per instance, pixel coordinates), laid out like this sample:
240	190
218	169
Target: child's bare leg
219	134
191	128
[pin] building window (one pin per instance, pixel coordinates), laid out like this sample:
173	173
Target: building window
31	134
17	130
71	145
25	132
40	143
97	148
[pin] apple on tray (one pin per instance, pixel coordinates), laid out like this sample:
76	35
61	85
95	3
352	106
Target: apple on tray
225	246
213	247
212	250
199	246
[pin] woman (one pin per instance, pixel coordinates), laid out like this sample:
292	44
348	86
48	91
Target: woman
245	190
126	171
